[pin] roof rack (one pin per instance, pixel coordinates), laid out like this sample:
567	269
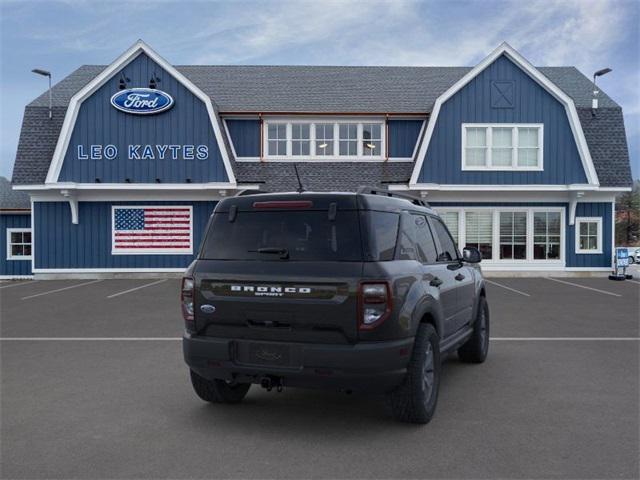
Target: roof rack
388	193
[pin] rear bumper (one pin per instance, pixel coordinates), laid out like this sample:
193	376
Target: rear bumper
369	367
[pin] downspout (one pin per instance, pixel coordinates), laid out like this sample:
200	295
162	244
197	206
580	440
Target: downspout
261	137
386	137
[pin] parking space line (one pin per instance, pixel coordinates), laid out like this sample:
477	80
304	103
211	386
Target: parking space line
89	339
174	339
584	286
565	339
137	288
60	289
30	282
632	281
507	288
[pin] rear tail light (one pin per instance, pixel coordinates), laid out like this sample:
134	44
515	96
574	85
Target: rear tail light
374	304
186	301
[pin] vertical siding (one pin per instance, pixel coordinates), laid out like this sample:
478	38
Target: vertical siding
13	267
61	244
531	104
403	135
186	123
245	136
602	210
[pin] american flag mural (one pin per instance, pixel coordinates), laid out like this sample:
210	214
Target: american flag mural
152	229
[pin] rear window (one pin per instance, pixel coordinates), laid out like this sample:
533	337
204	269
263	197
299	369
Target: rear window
304	235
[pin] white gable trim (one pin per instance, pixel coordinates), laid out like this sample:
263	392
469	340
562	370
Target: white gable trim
123	60
535	74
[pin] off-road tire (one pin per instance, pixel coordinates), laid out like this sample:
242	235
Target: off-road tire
414	401
218	391
475	349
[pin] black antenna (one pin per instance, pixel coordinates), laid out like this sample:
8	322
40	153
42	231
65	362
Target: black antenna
300	187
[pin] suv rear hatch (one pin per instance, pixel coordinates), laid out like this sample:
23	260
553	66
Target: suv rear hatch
284	269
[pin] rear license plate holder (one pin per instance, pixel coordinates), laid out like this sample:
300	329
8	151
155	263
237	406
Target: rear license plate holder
263	353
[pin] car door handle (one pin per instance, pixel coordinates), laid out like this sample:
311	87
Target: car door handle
459	277
435	282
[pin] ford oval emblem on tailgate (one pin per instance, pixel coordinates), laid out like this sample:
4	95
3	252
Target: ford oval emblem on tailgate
207	308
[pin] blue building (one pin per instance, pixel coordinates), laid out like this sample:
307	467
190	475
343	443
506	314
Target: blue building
521	161
15	232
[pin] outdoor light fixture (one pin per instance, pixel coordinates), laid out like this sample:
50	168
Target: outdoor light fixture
370	145
122	84
153	81
45	73
594	101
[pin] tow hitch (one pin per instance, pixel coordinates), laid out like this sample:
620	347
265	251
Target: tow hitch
269	382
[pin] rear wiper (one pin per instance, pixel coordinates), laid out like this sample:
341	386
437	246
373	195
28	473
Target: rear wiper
283	252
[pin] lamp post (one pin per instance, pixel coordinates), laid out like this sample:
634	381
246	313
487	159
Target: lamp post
594	102
45	73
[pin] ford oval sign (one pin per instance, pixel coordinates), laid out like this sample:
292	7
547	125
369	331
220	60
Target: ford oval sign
142	101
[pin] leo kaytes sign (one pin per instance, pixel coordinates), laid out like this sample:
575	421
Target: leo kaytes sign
142	101
143	152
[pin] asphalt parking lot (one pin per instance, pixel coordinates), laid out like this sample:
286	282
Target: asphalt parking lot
94	386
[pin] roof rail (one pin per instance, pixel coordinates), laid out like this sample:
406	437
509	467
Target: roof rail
388	193
247	191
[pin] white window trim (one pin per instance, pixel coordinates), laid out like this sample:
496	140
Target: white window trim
495	241
312	157
162	251
514	147
18	257
598	221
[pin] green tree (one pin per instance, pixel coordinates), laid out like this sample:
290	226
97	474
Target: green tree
628	217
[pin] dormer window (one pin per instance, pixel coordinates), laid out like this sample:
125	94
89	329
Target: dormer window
502	146
324	139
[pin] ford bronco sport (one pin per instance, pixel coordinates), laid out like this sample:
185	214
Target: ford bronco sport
357	291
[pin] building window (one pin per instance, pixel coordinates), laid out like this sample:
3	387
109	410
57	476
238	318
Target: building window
324	139
479	232
513	235
309	140
502	146
348	135
508	234
300	139
476	147
18	243
452	221
277	139
588	235
371	139
546	235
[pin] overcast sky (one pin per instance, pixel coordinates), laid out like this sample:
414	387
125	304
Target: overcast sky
62	35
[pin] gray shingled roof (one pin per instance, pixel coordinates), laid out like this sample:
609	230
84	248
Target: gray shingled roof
12	199
327	89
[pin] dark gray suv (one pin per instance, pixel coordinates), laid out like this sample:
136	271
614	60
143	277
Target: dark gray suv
357	291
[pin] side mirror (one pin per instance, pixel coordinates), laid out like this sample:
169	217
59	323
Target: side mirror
471	255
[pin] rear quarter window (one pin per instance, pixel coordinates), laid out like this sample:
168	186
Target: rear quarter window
381	233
